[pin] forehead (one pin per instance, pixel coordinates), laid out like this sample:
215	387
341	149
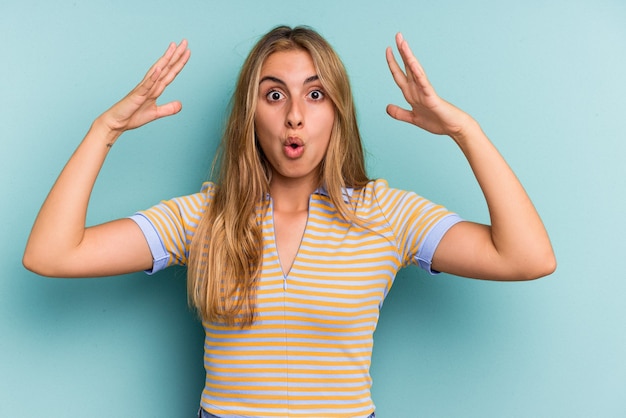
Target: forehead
293	63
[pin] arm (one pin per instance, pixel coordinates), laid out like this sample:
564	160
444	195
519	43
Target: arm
59	244
516	245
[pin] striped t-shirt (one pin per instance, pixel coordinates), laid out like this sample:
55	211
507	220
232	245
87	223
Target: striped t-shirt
308	352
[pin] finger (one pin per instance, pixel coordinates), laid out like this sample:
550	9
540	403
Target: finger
176	63
407	55
396	72
154	73
164	71
172	59
168	109
414	70
143	89
166	57
161	63
399	113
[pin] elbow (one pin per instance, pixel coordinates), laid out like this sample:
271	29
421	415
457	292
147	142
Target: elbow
37	263
30	263
545	263
549	265
540	272
541	266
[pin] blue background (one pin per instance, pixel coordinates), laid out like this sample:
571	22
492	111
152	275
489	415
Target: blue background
545	79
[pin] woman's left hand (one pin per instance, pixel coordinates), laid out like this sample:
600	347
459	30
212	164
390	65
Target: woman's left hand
428	110
516	246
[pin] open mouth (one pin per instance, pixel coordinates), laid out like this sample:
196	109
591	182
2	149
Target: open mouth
293	147
294	142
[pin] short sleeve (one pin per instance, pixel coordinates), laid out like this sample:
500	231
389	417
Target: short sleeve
418	224
169	227
424	256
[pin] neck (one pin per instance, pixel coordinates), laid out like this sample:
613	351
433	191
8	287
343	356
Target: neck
291	196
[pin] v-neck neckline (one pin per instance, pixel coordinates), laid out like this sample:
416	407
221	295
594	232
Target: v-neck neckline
287	273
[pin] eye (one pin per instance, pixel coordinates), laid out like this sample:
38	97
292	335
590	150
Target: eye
316	95
274	96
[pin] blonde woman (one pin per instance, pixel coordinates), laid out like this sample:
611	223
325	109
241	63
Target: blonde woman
292	248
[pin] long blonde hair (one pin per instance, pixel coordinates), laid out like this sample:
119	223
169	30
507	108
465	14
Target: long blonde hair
226	252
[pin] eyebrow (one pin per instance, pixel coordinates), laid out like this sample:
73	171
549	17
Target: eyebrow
279	81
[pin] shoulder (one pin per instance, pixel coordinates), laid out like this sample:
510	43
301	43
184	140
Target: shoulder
396	205
191	205
378	193
204	195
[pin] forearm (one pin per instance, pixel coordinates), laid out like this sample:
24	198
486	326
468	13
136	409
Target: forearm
516	245
518	236
60	225
60	244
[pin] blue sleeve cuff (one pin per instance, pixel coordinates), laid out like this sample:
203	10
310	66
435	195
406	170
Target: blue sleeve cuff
425	255
160	256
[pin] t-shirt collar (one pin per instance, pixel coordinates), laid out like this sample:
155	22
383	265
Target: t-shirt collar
346	193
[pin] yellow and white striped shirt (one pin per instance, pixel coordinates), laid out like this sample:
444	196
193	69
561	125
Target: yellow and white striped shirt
308	353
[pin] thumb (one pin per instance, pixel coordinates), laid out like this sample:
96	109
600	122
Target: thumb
399	113
168	109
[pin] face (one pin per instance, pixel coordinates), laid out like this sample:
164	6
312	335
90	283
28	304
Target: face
293	118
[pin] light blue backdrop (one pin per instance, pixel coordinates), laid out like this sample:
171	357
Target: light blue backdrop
546	81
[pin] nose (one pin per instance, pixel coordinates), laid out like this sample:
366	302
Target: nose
295	115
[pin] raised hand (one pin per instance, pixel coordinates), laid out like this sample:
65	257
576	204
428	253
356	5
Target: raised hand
516	245
140	106
428	110
60	244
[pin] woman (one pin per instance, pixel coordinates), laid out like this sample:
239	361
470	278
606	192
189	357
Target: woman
292	249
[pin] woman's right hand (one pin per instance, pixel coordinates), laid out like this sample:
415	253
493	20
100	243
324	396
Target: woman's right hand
140	107
60	245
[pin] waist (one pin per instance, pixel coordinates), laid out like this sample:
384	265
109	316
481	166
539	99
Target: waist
204	414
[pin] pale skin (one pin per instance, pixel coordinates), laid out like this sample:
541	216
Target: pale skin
59	244
514	247
292	109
